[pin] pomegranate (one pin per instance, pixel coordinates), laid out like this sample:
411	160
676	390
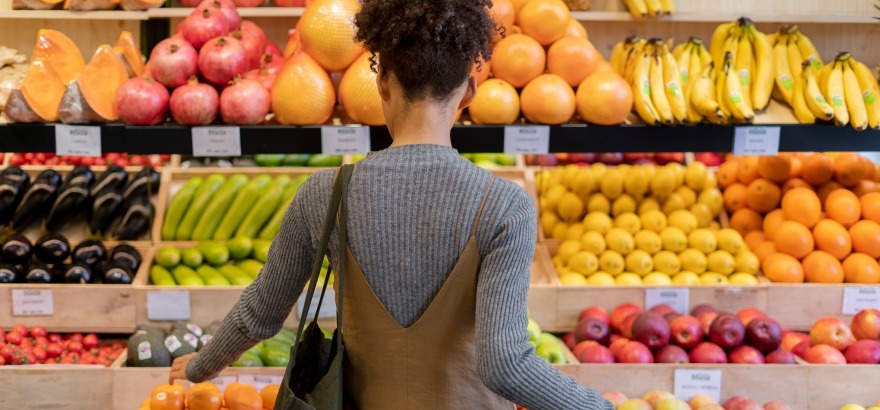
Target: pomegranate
173	61
244	102
253	39
142	101
248	3
262	75
199	28
273	49
189	3
290	3
194	103
227	8
272	63
222	59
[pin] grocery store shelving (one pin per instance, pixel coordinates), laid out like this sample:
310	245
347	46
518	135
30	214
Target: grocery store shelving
246	12
73	15
685	17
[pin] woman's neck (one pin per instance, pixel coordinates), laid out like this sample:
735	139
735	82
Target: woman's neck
422	123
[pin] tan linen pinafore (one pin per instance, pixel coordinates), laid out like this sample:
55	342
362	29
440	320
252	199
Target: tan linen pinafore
429	365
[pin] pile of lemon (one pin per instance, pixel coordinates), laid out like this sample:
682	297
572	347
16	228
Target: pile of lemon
641	225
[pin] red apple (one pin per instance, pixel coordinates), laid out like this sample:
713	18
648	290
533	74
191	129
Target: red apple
644	161
615	397
733	401
617	345
613	338
863	351
776	405
595	353
596	312
576	350
707	352
626	328
706	319
710	159
610	158
568	339
686	332
746	355
562	158
748	405
790	339
800	350
727	331
700	400
664	158
591	329
634	352
652	330
620	313
780	356
631	157
662	309
866	324
764	334
746	315
824	354
671	354
695	312
831	331
582	157
671	316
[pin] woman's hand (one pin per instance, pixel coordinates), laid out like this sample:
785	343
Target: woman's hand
178	368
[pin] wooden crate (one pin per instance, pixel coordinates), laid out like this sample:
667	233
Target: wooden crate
798	306
62	387
543	291
83	308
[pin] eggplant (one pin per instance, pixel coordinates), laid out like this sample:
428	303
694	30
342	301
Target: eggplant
89	252
16	174
10	196
114	177
117	275
99	269
72	201
39	272
106	206
126	255
81	175
16	250
145	182
135	218
52	249
77	273
37	200
8	274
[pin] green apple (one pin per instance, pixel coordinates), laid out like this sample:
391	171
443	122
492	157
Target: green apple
486	164
469	157
507	160
357	157
484	158
552	352
534	331
269	160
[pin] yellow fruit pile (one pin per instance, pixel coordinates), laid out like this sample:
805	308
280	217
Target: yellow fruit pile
653	8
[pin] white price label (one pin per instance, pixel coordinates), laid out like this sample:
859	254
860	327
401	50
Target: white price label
328	307
78	140
216	141
756	140
676	298
860	298
532	139
345	140
32	302
223	381
689	383
260	381
168	305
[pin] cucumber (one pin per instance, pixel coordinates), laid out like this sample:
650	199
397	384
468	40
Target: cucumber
213	213
161	277
251	266
242	204
274	225
235	275
186	276
264	208
201	199
177	207
215	253
261	249
211	276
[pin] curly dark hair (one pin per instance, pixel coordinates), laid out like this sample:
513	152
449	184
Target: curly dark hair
430	46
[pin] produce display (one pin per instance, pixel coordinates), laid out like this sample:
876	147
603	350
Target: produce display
208	263
51	260
653	8
266	160
207	396
86	5
28	346
547	346
109	158
664	400
272	352
491	160
13	66
855	406
613	158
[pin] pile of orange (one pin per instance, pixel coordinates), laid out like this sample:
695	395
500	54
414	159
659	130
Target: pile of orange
207	396
809	217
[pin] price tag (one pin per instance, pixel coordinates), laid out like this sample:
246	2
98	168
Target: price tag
345	140
223	381
328	307
168	305
756	141
532	139
676	298
689	383
216	141
259	381
78	140
32	302
860	298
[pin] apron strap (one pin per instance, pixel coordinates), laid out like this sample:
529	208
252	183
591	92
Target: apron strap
482	204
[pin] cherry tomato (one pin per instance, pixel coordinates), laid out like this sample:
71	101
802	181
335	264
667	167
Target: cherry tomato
20	328
90	340
67	360
38	331
53	350
75	336
74	346
40	354
2	361
55	338
6	353
14	338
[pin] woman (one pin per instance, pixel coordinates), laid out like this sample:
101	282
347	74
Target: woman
439	249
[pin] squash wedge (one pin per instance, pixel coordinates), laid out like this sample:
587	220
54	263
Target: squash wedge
131	54
100	79
42	89
60	52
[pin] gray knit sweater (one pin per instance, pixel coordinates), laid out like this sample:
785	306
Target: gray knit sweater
411	210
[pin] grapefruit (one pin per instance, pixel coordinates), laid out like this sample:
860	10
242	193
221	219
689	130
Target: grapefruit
604	98
303	93
496	102
548	99
327	33
359	93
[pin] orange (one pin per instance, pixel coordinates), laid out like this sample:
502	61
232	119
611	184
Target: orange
832	237
327	33
748	170
573	59
782	268
735	197
548	99
764	249
726	174
822	267
817	169
204	396
576	29
754	238
167	397
793	183
802	205
303	93
746	220
518	59
871	206
843	206
870	168
848	169
269	394
796	165
240	396
604	98
861	268
774	168
864	186
772	221
359	93
544	20
866	238
763	195
793	238
823	190
481	71
60	53
496	102
503	13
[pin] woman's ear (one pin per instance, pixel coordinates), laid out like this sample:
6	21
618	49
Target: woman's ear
382	83
469	93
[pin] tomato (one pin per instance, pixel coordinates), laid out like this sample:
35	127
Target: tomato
2	361
75	336
2	334
50	361
26	344
20	328
68	360
6	353
74	346
40	354
90	340
87	358
38	331
55	338
117	346
14	338
53	350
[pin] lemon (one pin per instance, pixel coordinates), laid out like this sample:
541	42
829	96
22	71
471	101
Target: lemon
548	221
575	231
582	183
667	262
673	202
713	278
695	175
687	195
653	220
570	207
598	203
583	262
629	222
649	169
648	241
636	182
682	219
624	169
693	260
600	279
747	262
557	261
686	278
562	271
703	240
674	239
703	214
550	200
711	181
566	249
743	278
625	203
573	279
559	231
677	170
628	279
715	226
721	262
663	183
611	183
712	198
639	262
611	262
598	222
619	240
598	169
657	279
649	204
593	242
568	173
730	240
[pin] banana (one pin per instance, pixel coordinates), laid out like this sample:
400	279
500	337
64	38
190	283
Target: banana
693	117
762	83
658	89
799	103
705	56
794	58
813	95
683	61
855	102
637	8
773	38
733	92
808	50
668	6
870	91
696	64
836	95
702	96
681	48
617	54
743	63
719	38
822	78
784	79
654	7
674	84
641	85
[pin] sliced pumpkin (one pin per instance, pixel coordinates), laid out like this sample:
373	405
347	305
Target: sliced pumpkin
34	4
100	80
88	5
60	52
140	4
42	89
130	53
74	109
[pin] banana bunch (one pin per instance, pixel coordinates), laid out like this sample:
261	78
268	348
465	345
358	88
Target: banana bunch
692	57
653	8
652	70
740	51
844	90
790	50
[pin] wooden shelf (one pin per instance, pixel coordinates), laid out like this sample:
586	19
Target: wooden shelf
724	17
247	12
73	15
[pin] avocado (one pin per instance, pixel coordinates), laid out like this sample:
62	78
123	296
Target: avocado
248	359
145	349
187	327
181	343
208	333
